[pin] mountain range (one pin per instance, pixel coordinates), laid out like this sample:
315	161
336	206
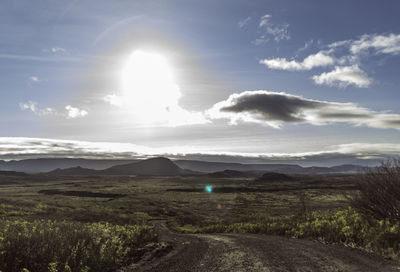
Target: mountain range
209	167
161	166
43	165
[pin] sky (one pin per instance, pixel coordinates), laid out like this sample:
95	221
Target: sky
308	82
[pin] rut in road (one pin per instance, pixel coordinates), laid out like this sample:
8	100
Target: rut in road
255	252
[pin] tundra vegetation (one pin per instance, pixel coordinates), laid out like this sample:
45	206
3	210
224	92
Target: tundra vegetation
102	223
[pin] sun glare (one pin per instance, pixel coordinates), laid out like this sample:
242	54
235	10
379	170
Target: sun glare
150	92
148	82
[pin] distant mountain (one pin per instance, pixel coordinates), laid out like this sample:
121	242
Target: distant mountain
351	168
204	166
151	167
74	171
272	176
211	167
12	173
191	166
49	164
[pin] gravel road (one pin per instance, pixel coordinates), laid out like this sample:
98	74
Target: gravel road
254	252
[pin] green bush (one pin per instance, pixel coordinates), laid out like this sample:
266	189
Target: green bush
70	246
354	229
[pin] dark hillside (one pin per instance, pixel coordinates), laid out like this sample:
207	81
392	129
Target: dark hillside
152	167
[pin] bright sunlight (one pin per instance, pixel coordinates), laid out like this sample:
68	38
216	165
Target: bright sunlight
148	82
151	92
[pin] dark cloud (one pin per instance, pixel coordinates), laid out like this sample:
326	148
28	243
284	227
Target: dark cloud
393	122
343	115
273	106
277	108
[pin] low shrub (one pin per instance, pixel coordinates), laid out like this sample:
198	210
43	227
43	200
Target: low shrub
46	245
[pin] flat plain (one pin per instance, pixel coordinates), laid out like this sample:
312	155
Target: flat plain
131	199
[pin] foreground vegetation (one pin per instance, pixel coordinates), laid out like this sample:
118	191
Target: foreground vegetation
78	233
70	246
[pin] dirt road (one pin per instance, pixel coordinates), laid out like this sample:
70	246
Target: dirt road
253	252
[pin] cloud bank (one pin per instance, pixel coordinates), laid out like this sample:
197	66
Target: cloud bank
24	148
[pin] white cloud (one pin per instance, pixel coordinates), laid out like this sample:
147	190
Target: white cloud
58	49
277	31
382	44
347	53
30	105
369	149
48	111
73	112
344	76
319	59
307	45
277	108
244	22
264	20
340	44
260	40
35	79
114	100
33	107
389	44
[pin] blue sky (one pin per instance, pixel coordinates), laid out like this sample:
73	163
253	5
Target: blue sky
299	81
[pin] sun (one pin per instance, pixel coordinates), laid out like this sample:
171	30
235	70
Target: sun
150	94
148	82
